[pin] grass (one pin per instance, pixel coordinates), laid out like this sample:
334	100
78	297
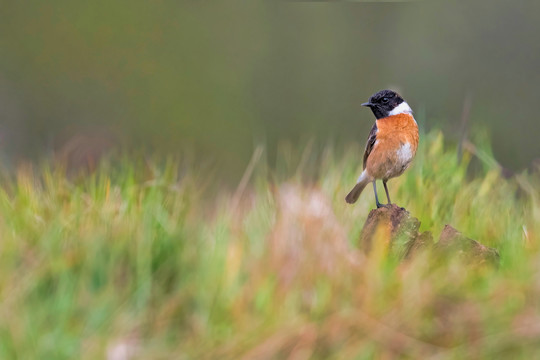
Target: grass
137	260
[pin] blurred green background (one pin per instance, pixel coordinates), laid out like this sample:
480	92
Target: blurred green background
219	78
139	258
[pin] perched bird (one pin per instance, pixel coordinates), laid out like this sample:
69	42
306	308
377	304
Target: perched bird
391	145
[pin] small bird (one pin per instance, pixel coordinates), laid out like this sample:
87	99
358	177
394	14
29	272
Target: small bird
391	145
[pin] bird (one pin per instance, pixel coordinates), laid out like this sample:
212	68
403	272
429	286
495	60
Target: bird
391	145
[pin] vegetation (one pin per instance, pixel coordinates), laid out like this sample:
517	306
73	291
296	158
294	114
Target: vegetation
134	259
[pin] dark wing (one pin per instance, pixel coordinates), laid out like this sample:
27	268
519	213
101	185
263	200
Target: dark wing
370	143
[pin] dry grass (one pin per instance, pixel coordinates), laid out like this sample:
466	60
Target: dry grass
128	263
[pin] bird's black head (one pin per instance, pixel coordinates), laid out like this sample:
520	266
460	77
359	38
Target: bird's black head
386	103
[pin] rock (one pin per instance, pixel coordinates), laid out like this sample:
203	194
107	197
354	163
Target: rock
396	226
453	241
420	243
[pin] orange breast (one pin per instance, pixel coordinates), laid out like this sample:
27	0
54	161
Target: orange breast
389	157
398	129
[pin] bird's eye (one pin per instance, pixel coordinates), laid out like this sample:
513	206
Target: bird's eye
385	100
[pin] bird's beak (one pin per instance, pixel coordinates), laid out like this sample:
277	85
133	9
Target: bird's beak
368	104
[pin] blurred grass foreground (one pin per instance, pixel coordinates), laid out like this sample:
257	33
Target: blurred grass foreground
133	262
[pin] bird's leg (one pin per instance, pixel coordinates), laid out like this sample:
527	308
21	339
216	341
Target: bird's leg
376	197
386	189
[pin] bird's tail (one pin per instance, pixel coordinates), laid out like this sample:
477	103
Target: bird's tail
357	190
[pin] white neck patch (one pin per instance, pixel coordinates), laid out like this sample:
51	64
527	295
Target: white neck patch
402	108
